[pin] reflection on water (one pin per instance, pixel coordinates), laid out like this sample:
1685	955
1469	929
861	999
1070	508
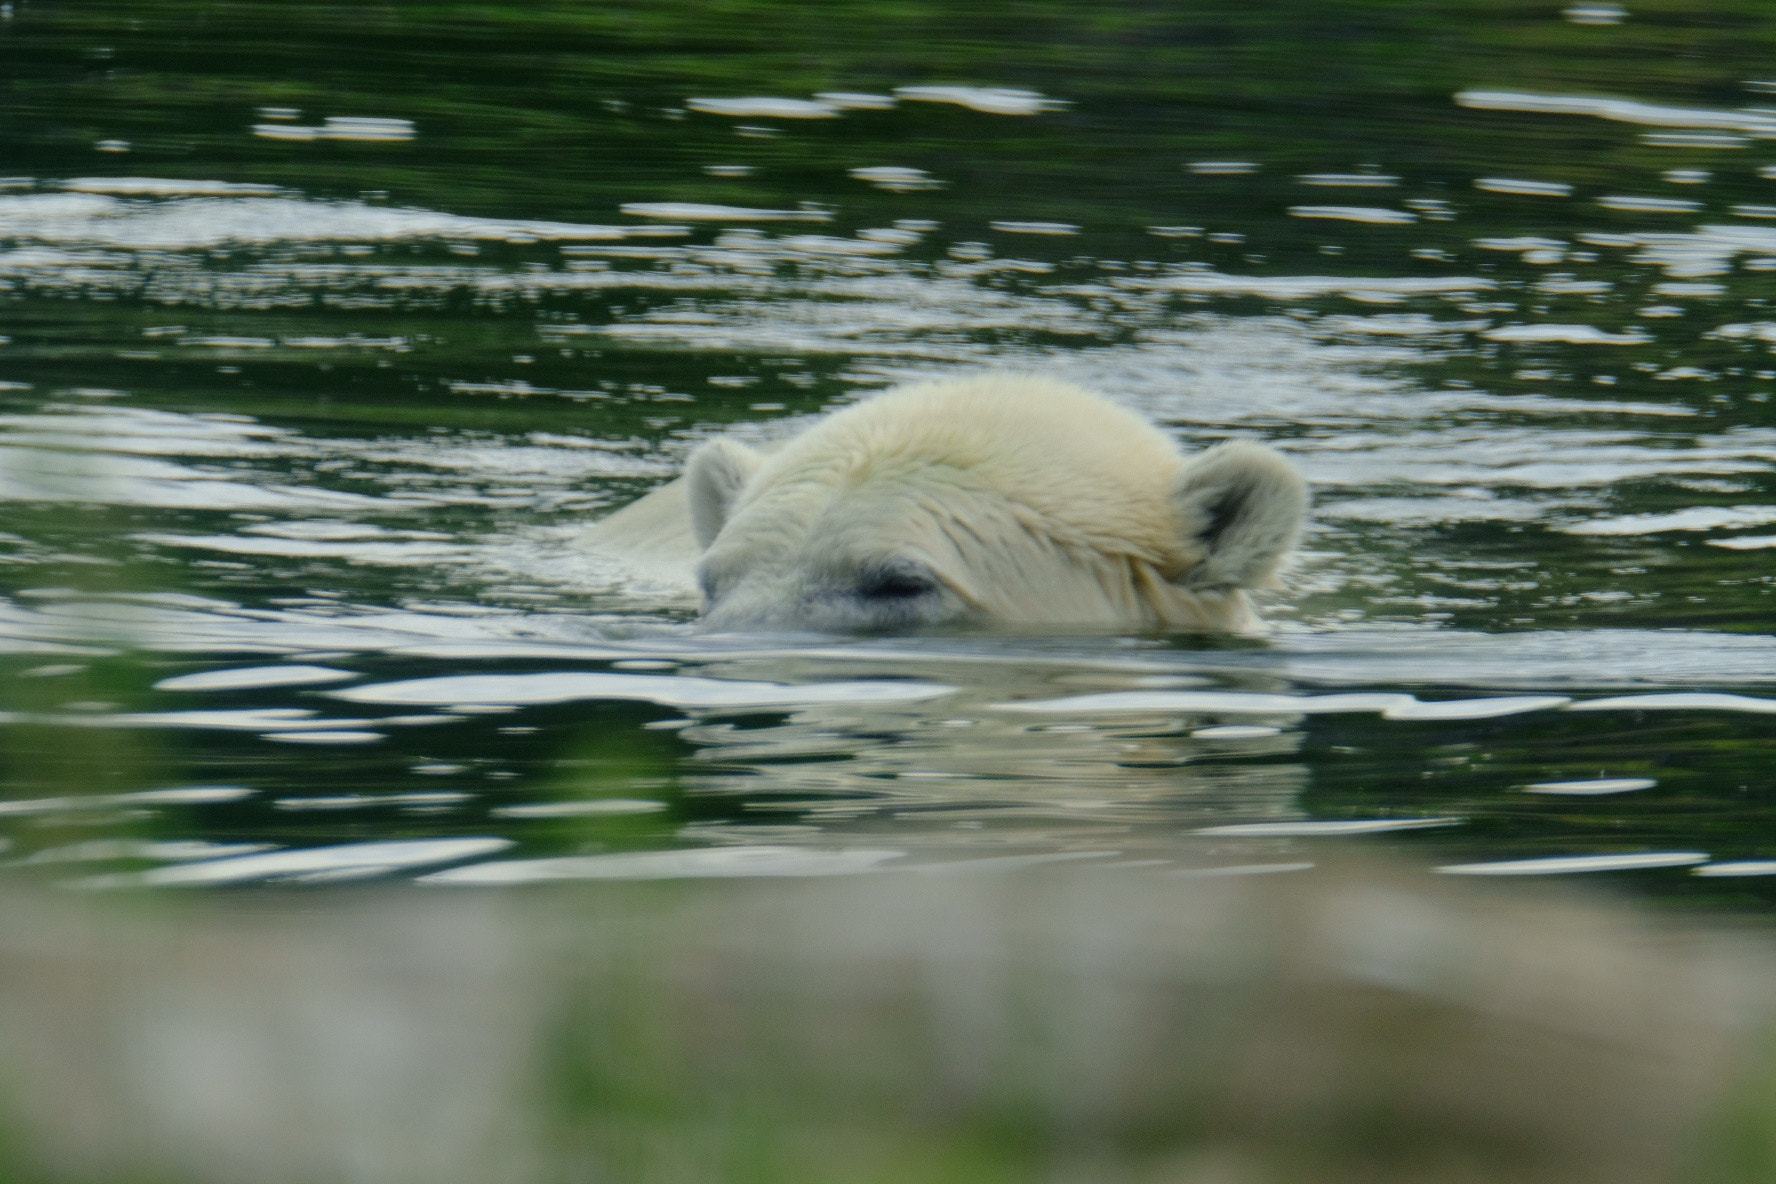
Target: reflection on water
303	404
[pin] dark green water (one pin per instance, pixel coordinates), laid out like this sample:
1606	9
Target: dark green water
327	326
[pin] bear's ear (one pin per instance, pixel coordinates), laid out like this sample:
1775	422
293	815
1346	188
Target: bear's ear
714	476
1243	507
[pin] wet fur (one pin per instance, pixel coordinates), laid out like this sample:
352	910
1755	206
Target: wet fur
1020	500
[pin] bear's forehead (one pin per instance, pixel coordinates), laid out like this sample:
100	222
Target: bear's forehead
1007	430
964	467
943	515
1037	460
854	513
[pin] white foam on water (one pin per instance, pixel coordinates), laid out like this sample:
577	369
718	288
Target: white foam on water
1391	705
1619	110
186	222
362	128
1597	787
159	851
1750	542
1741	867
1428	511
826	244
764	107
896	178
1576	660
1708	250
1242	869
247	677
196	795
1398	324
325	737
1348	180
1695	518
1524	188
1651	659
666	690
1565	334
1649	205
701	863
1558	286
266	719
691	211
1221	702
360	801
989	100
851	100
1679	701
515	648
1521	242
1562	865
1694	140
275	865
1559	466
1475	708
146	432
1045	228
595	807
1371	214
33	474
1595	14
1307	287
166	187
397	554
1756	330
1308	829
332	530
994	864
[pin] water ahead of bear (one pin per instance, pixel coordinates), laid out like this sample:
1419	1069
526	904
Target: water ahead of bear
321	343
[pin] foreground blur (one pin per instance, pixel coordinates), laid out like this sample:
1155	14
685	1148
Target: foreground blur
1055	1024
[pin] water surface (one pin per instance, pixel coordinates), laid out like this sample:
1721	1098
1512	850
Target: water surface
322	343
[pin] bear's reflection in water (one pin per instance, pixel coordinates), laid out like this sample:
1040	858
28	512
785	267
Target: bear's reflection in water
961	773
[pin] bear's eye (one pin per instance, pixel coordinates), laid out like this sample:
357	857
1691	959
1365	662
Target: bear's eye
896	581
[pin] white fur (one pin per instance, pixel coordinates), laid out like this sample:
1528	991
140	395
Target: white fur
716	474
1010	499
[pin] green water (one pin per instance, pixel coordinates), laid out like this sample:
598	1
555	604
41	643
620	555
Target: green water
327	326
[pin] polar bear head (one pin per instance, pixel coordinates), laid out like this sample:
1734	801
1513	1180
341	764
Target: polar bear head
1005	499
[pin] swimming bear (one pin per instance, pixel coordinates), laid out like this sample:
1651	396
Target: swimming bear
1004	499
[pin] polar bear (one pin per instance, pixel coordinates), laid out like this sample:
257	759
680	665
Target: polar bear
1004	499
